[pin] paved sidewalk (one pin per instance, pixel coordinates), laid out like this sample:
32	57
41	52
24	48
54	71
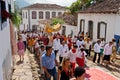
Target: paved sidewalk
22	71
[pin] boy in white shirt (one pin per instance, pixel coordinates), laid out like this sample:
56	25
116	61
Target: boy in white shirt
72	55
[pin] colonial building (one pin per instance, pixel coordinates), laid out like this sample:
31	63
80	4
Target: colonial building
101	20
32	14
67	28
6	6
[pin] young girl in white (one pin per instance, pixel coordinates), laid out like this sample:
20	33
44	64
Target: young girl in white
72	55
81	58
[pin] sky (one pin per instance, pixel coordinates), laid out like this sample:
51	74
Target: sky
59	2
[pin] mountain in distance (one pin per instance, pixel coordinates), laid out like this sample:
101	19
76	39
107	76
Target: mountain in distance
21	3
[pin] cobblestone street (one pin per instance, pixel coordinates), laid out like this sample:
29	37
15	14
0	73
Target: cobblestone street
30	69
22	70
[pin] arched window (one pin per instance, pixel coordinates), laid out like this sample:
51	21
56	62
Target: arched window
101	30
82	25
53	14
47	14
90	29
40	15
34	15
59	13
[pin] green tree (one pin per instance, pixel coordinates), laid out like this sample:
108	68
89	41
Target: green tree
55	21
79	5
16	17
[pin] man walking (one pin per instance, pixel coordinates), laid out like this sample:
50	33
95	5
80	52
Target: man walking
49	63
107	53
97	51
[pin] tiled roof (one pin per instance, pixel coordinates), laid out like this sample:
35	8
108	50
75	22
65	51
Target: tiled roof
44	6
103	6
67	18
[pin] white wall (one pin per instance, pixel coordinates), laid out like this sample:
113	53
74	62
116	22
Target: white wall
35	21
110	19
68	29
25	20
117	27
5	48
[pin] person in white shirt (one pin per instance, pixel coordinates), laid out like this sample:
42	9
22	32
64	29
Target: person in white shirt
80	42
63	51
72	54
87	47
56	44
107	52
74	40
97	51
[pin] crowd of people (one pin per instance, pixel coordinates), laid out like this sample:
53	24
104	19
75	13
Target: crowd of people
67	54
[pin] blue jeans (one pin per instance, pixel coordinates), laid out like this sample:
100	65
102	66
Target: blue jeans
53	73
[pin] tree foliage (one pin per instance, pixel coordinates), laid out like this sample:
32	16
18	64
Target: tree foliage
79	5
16	17
56	20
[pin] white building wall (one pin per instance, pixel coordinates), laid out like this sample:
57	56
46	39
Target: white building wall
25	20
5	48
117	27
107	18
68	29
35	21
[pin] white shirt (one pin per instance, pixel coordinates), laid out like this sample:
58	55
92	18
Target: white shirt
72	56
79	54
56	44
79	43
107	49
102	44
97	48
37	45
63	52
23	37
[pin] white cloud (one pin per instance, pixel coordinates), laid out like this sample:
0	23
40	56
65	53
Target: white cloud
59	2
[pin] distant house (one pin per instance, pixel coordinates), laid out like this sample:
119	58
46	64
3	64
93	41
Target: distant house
31	15
101	20
67	28
6	65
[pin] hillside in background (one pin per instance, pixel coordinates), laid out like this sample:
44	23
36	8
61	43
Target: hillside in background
21	3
